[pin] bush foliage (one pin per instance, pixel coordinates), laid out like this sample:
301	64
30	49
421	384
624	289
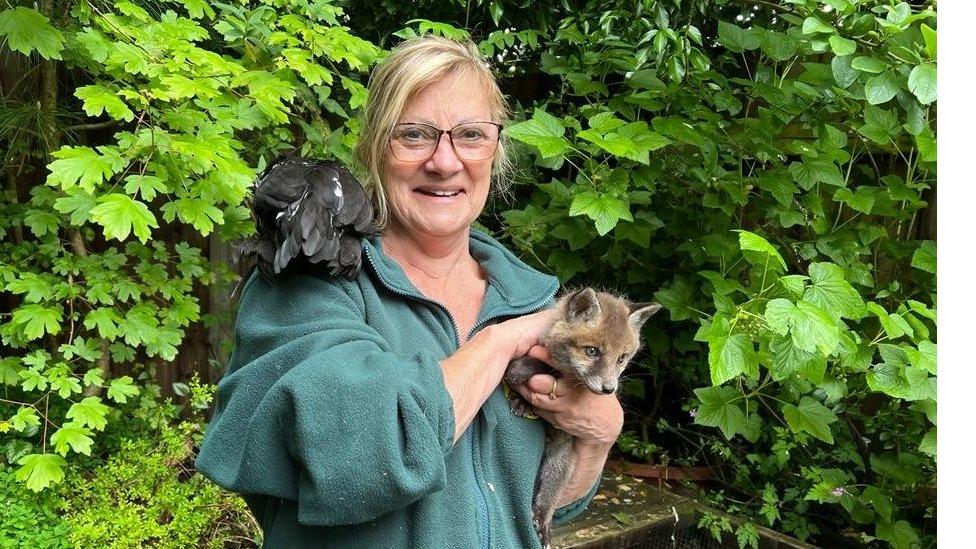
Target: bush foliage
765	170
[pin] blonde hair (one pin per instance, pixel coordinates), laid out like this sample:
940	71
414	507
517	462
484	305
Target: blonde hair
414	65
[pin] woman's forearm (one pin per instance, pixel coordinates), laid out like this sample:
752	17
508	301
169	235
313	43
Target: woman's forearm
590	459
473	372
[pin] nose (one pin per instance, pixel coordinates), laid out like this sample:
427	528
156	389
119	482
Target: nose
609	388
444	160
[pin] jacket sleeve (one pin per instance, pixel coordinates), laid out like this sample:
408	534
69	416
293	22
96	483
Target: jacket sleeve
316	408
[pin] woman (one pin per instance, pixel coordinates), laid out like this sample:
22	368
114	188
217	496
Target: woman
368	413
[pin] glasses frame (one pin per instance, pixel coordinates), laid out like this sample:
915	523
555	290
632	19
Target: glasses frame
450	138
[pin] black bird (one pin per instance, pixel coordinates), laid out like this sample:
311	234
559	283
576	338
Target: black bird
307	212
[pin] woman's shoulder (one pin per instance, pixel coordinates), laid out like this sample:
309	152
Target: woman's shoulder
308	288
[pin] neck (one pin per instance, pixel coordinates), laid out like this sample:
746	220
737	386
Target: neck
436	257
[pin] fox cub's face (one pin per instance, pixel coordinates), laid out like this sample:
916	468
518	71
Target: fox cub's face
596	336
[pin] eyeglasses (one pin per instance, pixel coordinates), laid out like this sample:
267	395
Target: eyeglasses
413	142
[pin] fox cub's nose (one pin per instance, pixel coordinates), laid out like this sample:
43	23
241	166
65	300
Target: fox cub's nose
607	389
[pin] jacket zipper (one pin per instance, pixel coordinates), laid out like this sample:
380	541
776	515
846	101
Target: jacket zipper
483	500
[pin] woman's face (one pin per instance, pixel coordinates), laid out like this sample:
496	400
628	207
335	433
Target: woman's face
462	184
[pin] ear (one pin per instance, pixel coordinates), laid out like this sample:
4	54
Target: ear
583	306
640	312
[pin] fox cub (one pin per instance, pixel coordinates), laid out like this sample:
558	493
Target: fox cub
591	343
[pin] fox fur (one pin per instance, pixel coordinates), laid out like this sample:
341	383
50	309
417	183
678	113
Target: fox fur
593	340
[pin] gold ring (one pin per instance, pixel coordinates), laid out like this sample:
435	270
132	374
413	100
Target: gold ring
552	393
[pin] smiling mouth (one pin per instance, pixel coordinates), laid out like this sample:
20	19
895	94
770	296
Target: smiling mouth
440	193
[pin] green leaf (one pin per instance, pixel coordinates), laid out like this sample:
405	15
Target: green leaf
78	203
842	46
881	88
36	319
737	39
605	209
25	418
813	329
83	166
89	412
731	355
121	389
924	257
119	214
40	470
869	64
844	74
862	200
779	314
810	417
813	25
929	444
788	359
922	83
543	131
25	30
719	408
747	536
199	213
10	369
753	242
882	125
72	435
106	319
146	186
98	98
900	535
930	37
65	386
833	293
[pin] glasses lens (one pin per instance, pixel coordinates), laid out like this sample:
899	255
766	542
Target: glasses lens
475	141
414	141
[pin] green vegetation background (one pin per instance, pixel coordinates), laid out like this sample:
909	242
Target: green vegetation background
765	170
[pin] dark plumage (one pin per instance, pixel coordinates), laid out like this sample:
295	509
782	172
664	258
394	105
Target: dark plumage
309	212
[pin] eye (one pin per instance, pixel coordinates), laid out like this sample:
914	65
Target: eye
591	352
469	133
621	359
414	134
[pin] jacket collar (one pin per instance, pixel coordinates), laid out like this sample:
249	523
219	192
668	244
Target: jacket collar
510	280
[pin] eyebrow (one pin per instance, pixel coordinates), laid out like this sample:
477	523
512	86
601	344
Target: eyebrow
429	122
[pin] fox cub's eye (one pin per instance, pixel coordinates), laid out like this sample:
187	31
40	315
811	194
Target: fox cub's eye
621	359
592	352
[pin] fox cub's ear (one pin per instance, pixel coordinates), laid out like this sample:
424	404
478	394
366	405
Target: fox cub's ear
640	312
583	306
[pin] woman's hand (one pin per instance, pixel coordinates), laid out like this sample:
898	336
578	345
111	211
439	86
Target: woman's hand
592	418
524	332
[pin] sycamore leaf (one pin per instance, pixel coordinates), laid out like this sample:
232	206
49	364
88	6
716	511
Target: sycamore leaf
10	369
119	214
121	389
543	131
72	435
40	470
810	417
200	213
26	30
106	320
719	408
89	412
65	386
25	417
147	186
78	203
83	166
98	98
604	209
36	320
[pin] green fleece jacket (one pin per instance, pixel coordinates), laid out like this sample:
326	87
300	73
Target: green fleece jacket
334	423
